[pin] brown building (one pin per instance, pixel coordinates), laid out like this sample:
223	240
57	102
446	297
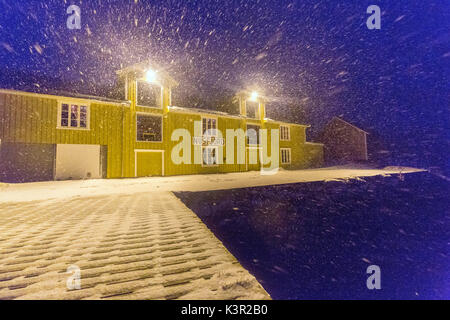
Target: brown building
343	141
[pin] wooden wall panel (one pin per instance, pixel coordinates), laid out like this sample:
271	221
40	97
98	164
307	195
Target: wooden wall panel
29	118
33	119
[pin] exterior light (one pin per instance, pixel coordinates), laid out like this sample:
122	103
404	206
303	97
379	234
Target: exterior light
254	96
150	76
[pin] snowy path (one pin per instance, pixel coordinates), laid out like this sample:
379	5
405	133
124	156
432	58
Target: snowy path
142	246
131	238
64	189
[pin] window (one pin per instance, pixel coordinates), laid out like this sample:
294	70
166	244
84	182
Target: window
148	94
285	156
285	133
148	128
252	134
209	156
251	108
73	115
209	127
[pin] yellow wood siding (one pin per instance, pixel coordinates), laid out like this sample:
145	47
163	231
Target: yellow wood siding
149	163
32	118
175	121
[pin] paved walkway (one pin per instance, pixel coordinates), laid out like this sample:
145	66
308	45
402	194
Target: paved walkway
139	246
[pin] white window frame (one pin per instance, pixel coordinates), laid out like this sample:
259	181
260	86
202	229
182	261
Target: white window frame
281	155
258	135
151	115
258	106
288	133
126	88
216	128
69	119
136	151
217	156
161	95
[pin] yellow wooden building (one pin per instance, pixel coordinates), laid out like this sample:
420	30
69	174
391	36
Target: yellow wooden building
47	137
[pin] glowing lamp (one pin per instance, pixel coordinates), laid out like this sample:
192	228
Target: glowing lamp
150	76
254	96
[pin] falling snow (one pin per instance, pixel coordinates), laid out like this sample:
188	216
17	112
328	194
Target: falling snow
312	60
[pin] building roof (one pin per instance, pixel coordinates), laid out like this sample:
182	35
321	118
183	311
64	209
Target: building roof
289	123
225	114
66	95
347	123
208	111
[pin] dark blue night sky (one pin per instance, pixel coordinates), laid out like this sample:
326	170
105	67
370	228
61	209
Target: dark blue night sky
316	59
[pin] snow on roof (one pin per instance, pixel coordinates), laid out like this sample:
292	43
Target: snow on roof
87	96
198	110
348	123
225	114
64	94
290	123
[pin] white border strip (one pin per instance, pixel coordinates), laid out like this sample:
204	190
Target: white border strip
147	150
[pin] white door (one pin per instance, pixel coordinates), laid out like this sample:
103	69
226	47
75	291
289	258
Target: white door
77	161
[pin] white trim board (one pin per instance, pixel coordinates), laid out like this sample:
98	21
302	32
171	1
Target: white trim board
69	102
217	124
149	114
289	132
257	111
147	150
290	156
161	95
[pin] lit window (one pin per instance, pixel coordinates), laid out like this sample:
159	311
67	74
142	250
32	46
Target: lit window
74	116
209	155
251	108
209	127
149	94
285	156
148	128
252	134
83	116
285	133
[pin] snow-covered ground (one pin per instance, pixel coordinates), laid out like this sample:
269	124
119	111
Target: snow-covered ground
65	189
140	246
131	238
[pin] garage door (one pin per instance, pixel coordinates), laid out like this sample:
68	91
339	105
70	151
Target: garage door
26	162
78	161
149	163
